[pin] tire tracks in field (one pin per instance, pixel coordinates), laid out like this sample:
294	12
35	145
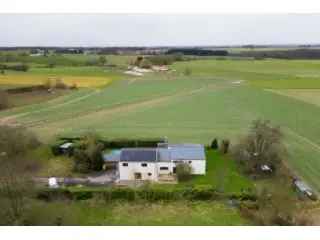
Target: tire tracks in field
10	120
309	142
126	107
304	139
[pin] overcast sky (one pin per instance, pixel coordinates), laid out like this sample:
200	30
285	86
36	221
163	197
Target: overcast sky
156	30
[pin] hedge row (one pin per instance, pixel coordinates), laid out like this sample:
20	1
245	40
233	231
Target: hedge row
202	192
18	67
111	144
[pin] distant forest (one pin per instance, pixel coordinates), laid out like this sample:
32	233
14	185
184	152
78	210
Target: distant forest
281	54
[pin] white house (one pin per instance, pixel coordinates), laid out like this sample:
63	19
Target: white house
158	163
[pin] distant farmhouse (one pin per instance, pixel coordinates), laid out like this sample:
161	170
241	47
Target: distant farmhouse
156	164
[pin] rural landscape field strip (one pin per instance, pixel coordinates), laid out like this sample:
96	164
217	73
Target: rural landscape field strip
228	113
195	108
311	96
11	118
107	113
107	98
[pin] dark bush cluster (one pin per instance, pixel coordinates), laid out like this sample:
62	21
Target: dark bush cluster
87	155
4	101
197	52
17	140
282	54
192	193
17	67
119	143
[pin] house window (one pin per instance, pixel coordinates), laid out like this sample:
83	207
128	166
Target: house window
164	168
144	164
125	164
137	176
149	174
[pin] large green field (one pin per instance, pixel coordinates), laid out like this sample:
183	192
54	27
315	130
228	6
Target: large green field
219	99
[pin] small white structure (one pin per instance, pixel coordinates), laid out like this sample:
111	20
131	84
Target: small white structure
160	163
161	68
53	183
265	168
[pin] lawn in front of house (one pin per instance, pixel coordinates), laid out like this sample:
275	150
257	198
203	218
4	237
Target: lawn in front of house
223	173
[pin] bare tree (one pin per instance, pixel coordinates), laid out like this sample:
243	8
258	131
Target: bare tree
15	171
262	146
15	186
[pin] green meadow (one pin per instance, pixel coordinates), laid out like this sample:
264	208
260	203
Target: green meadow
176	213
220	98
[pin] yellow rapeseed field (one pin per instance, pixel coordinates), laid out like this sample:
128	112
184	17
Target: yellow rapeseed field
79	81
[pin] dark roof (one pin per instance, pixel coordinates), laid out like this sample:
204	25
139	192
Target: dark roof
138	155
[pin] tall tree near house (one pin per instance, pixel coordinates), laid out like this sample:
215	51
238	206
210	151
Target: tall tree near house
262	146
88	157
225	144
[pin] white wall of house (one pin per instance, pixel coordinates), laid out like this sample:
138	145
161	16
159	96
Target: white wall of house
148	172
162	165
198	167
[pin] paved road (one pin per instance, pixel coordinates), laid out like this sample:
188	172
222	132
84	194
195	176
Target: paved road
102	178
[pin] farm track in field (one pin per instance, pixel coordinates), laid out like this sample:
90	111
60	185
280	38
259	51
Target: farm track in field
123	108
304	139
10	120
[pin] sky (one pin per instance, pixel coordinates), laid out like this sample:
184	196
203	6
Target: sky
88	30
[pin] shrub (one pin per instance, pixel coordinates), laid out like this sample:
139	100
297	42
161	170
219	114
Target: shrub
225	144
202	192
18	67
145	63
187	71
4	102
82	195
214	144
123	194
88	155
74	86
51	64
102	60
17	140
151	193
183	172
60	84
138	61
47	84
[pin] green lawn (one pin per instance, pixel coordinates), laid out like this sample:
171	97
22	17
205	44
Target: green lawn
178	213
223	173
